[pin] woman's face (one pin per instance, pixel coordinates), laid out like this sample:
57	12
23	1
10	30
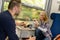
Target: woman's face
42	16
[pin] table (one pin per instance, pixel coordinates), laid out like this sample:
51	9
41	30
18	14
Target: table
24	32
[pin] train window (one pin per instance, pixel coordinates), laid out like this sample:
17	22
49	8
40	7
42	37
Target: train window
30	9
5	6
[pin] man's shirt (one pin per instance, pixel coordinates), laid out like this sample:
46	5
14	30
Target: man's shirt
7	26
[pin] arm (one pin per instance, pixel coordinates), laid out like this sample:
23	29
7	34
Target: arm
48	28
9	28
42	29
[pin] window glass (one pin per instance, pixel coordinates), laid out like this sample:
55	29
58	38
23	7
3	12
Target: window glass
30	9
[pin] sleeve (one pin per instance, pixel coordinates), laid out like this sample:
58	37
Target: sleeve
48	28
42	29
53	16
9	28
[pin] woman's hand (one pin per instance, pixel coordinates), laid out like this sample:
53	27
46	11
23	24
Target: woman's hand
36	24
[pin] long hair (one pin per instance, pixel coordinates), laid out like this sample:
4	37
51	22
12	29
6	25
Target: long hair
46	17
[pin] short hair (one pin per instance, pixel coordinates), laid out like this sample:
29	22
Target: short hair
19	1
13	3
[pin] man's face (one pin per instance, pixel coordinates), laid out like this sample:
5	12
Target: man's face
18	9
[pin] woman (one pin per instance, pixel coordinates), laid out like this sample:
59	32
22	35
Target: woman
44	25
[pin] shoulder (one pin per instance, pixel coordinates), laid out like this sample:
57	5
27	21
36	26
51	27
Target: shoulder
5	18
4	14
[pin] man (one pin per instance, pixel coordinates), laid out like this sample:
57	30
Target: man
7	23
